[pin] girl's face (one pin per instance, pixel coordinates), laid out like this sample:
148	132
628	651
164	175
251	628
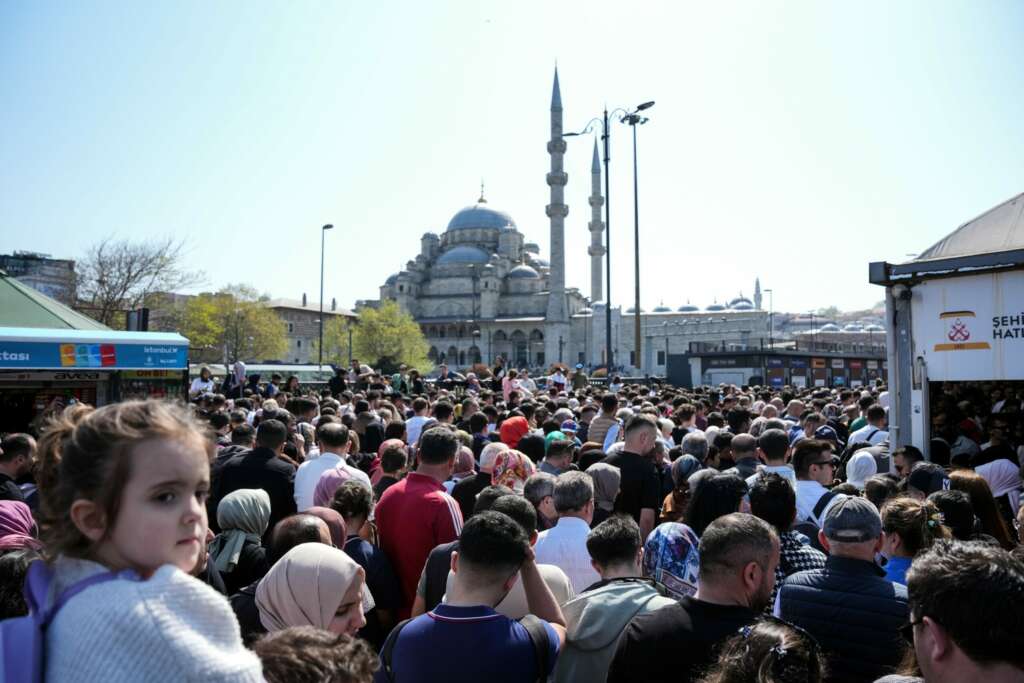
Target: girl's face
162	517
349	617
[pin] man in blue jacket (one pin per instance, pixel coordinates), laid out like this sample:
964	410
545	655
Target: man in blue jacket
849	606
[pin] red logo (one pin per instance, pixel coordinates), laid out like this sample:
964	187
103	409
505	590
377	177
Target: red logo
958	331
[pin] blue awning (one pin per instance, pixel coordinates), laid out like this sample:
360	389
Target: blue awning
58	349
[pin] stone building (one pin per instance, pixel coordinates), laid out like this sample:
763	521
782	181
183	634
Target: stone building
302	322
480	290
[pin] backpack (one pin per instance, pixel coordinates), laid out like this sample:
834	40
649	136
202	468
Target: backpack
534	626
23	639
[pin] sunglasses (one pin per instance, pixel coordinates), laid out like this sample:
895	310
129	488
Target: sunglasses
830	463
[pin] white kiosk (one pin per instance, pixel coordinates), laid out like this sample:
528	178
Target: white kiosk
954	314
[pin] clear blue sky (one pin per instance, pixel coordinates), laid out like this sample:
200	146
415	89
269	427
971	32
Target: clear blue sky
792	140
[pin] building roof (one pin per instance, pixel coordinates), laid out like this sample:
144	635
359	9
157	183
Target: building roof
463	254
22	306
523	271
480	216
998	229
311	306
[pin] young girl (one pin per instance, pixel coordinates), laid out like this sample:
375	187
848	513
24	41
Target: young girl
911	526
123	489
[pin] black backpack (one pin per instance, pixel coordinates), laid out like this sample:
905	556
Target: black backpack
534	626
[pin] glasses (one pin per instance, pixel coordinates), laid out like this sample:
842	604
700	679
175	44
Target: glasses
823	463
907	630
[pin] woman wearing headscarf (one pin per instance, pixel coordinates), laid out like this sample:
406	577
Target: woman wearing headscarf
327	484
512	469
17	526
671	558
673	508
334	521
314	585
1003	478
606	480
465	466
236	552
513	429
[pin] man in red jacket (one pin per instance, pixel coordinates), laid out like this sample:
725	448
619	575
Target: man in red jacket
415	515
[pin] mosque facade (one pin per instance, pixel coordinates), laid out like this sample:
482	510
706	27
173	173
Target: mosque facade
480	290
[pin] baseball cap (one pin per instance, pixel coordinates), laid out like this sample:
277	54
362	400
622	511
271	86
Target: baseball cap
852	520
569	426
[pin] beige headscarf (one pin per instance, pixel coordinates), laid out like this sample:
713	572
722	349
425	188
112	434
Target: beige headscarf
305	587
606	480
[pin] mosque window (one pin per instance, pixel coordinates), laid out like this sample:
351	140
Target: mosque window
401	288
661	357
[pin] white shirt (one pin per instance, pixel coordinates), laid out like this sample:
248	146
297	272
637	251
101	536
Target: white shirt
308	474
808	493
201	386
413	427
565	546
785	471
877	435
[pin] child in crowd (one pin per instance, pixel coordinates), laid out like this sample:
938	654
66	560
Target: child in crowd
123	504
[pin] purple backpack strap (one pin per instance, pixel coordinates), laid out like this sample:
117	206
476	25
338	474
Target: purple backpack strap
23	639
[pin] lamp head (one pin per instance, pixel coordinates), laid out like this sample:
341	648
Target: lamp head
645	105
328	227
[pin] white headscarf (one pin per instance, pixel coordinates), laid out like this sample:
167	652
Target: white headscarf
306	586
242	515
1003	478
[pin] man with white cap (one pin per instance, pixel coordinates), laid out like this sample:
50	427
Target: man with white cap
861	467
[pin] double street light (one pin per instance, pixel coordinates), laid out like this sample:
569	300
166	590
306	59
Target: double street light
633	119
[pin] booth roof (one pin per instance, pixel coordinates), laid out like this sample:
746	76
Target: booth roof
101	336
997	230
22	306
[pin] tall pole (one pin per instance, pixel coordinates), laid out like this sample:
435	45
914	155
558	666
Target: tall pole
771	319
636	251
320	350
609	354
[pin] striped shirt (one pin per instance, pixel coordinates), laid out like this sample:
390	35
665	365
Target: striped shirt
413	516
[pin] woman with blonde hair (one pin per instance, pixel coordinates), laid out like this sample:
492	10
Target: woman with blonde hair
911	526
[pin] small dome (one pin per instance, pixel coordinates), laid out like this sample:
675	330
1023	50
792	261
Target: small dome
874	328
715	307
463	254
391	280
739	301
531	248
586	311
742	306
688	308
632	309
829	327
540	263
662	309
523	272
480	216
853	327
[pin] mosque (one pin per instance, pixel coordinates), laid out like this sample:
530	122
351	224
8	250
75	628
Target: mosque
480	290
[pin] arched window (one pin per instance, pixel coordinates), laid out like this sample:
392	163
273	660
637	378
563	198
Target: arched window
452	355
432	354
474	354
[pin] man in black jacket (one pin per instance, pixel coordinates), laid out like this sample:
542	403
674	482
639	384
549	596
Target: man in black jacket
260	468
738	556
848	606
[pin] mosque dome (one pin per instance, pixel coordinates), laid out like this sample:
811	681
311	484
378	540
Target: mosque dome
873	327
662	309
523	272
480	216
688	308
632	309
463	254
543	263
742	305
853	327
392	280
715	307
829	327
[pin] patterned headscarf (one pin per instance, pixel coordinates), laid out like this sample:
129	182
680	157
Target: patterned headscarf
512	469
671	558
242	515
682	468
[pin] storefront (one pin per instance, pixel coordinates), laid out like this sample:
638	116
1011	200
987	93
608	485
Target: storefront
955	316
42	370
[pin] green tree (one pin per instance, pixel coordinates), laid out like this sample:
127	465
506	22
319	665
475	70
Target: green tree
336	341
387	336
232	324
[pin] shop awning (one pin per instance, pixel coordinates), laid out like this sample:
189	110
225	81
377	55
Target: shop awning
22	306
65	349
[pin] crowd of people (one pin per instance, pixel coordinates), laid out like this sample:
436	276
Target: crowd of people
384	528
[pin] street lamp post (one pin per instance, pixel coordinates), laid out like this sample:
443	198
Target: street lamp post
605	138
323	233
633	120
771	319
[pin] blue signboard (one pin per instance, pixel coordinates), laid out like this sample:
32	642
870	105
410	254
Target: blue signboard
798	363
96	356
776	382
774	362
